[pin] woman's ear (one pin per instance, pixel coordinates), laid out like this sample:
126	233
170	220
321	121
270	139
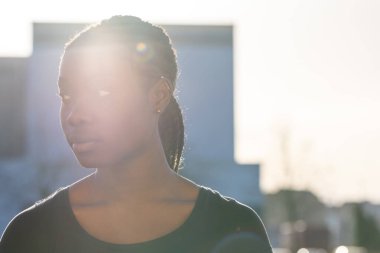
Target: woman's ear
160	94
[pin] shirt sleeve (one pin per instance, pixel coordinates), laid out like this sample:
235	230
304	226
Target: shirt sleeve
248	233
23	234
250	221
252	231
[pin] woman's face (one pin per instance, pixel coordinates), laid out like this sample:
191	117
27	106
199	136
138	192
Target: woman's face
105	112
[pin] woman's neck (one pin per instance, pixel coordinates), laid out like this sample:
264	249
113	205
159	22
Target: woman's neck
139	179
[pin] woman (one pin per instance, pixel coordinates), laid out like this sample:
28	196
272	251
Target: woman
119	115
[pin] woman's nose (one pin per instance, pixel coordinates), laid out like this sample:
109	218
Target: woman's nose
79	113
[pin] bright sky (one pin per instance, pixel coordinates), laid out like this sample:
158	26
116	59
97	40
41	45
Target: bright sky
307	69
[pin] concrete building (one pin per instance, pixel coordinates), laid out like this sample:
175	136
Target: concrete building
43	160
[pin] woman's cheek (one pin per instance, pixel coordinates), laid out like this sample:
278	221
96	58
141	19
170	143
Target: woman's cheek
63	117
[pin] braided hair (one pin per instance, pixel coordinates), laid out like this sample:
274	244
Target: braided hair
152	55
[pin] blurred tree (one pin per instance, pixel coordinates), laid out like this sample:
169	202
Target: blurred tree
367	231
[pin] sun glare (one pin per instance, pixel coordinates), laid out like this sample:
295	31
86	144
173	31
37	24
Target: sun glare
294	65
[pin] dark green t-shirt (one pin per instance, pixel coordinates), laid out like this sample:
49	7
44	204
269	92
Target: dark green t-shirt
216	224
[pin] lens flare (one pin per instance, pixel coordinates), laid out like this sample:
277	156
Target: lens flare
144	52
341	249
141	47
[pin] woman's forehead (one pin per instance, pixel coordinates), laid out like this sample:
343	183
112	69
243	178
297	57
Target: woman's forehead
92	61
98	48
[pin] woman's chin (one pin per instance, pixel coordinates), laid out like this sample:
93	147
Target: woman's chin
88	164
103	159
90	161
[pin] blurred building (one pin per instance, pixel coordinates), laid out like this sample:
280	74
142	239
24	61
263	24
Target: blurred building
35	159
342	223
296	219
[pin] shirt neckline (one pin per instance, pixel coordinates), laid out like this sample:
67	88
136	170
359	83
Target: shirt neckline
175	234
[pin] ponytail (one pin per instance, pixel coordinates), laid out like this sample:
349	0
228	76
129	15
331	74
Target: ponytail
171	129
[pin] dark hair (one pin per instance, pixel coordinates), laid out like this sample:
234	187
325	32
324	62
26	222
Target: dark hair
151	53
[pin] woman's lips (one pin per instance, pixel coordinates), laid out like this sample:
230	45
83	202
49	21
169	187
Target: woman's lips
83	146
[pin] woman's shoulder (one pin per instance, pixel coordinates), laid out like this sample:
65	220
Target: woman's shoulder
233	215
30	223
229	207
41	206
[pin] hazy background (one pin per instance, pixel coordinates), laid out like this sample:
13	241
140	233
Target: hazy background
306	77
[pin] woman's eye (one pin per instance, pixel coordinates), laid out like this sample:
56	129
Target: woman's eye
64	97
91	96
